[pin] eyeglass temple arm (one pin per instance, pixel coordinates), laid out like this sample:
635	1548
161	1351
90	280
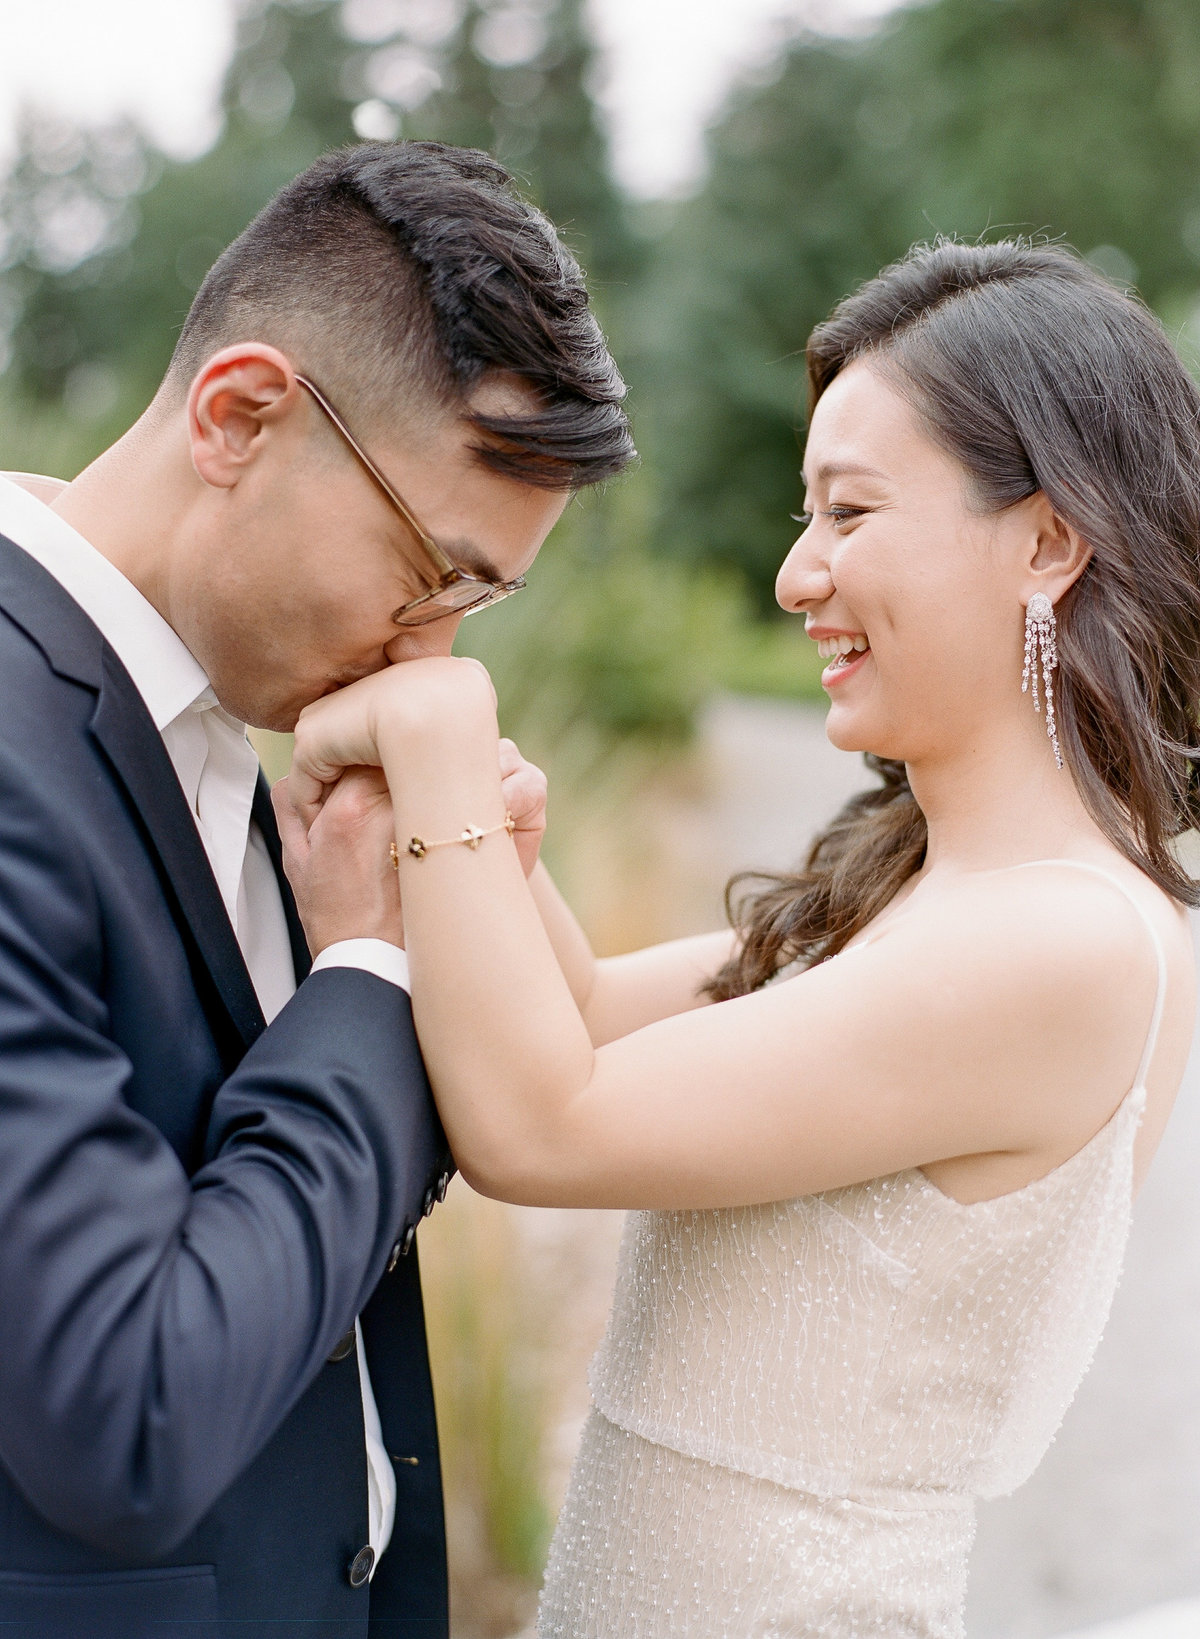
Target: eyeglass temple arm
427	541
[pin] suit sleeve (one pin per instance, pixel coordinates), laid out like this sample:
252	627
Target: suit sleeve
156	1329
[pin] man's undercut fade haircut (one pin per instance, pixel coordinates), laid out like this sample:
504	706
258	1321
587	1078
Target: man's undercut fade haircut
400	276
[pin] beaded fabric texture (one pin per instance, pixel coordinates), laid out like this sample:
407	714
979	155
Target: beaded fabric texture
796	1404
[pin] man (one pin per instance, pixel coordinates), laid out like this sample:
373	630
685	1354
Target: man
215	1412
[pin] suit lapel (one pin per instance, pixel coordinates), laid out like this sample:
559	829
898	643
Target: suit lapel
125	731
75	649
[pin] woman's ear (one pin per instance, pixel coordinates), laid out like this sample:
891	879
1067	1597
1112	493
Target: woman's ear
236	397
1057	553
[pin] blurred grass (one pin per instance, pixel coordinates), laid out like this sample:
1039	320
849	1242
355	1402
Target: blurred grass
493	1404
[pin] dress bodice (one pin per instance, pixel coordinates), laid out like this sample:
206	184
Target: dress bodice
882	1337
878	1339
796	1404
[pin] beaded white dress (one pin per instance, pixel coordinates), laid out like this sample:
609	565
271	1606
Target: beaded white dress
795	1405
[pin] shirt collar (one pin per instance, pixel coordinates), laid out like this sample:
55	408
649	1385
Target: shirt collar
166	674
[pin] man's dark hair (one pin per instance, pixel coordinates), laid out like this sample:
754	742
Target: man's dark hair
400	275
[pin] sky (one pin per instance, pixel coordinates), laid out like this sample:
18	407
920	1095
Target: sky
665	67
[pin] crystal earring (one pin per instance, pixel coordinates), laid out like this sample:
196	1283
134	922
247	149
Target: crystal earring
1041	633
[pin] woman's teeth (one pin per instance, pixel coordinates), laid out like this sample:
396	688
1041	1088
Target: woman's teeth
840	647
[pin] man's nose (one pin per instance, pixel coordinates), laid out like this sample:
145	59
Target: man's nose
434	638
804	577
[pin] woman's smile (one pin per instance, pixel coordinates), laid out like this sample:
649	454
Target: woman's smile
845	650
843	666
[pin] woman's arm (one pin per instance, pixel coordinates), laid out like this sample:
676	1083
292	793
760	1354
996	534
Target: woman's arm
929	1044
618	994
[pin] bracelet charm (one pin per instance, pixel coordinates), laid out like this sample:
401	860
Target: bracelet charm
470	838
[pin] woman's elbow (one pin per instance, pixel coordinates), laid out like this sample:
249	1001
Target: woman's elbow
530	1175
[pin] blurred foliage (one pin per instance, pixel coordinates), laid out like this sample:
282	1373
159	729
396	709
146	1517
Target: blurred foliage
625	644
105	241
1073	118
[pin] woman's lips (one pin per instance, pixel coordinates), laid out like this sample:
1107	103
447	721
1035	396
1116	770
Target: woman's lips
842	667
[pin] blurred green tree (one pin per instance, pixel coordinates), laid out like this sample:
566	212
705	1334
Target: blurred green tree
105	322
106	240
516	80
1074	118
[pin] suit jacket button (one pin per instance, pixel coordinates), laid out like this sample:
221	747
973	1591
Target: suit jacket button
443	1186
343	1347
430	1198
402	1247
361	1567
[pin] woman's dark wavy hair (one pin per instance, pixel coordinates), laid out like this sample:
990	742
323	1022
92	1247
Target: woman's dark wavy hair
1035	373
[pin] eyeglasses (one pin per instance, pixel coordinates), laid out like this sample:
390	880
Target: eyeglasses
454	591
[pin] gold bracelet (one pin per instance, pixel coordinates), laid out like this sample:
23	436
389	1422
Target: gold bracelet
470	838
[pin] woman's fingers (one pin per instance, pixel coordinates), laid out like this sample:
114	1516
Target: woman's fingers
332	734
306	793
427	702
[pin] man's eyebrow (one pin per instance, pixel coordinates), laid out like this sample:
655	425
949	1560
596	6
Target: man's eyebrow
471	557
828	470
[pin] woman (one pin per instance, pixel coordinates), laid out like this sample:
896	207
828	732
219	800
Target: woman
881	1141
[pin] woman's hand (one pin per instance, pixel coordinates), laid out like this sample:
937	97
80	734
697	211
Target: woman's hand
435	707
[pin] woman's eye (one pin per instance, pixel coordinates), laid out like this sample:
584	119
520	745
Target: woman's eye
844	514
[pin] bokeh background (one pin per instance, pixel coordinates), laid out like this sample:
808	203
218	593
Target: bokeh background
725	170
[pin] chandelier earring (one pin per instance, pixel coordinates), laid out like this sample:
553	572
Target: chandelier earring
1041	649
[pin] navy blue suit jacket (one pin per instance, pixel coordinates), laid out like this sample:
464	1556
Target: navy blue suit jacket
193	1209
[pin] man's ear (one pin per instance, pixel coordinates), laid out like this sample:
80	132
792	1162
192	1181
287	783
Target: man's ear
236	399
1057	553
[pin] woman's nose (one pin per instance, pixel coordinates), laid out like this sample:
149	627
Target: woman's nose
803	577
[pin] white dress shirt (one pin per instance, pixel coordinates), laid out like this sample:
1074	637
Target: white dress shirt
218	771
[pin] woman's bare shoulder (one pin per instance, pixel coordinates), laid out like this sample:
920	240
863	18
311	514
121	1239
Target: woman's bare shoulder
1054	909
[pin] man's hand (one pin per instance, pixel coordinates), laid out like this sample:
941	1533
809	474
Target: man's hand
340	869
523	787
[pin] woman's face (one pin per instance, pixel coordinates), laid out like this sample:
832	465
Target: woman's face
898	561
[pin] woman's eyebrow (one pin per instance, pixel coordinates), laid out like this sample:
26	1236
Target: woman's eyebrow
829	470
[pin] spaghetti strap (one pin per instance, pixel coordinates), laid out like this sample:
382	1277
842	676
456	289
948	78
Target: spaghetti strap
1160	955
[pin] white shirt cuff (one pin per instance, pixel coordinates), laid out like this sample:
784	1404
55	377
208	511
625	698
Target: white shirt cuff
371	955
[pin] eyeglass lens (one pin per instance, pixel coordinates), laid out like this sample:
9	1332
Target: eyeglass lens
464	596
